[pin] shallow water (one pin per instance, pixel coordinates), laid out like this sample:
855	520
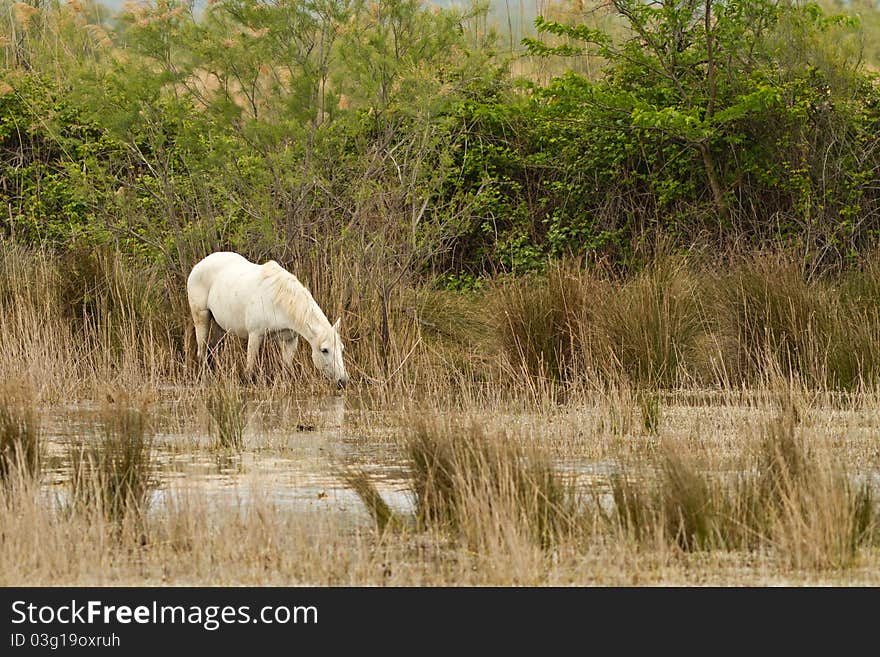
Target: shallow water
293	448
292	463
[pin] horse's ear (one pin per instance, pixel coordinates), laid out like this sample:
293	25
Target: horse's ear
336	325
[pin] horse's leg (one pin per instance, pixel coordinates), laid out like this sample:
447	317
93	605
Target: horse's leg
253	349
288	349
215	333
202	321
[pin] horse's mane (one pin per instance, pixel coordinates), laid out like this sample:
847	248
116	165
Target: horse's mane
293	296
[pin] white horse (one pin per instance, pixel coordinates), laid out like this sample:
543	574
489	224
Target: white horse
253	301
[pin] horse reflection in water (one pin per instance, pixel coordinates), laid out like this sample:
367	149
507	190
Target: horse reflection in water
254	301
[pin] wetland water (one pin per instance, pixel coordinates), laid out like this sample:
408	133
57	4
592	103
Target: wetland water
290	453
292	450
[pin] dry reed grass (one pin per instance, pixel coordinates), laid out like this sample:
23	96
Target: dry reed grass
227	407
494	390
20	447
75	324
112	475
781	496
686	512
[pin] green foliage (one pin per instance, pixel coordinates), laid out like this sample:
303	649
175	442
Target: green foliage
259	127
698	126
393	130
50	158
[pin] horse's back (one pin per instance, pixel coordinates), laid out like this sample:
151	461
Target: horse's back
228	285
211	266
217	261
211	270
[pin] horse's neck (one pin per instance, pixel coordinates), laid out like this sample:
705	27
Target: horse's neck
309	321
308	329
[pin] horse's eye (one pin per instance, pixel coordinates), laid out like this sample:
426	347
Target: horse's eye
325	351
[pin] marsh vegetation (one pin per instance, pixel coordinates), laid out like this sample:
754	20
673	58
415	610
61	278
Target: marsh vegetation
610	300
507	447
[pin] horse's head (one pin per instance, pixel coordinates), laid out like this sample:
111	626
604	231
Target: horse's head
327	356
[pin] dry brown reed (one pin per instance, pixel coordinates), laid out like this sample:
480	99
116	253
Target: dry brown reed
73	324
483	486
782	496
113	474
20	449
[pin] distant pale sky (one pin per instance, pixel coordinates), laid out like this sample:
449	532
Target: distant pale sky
508	17
499	9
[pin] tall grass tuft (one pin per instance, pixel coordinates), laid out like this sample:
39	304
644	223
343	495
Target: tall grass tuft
480	486
824	330
19	438
675	323
227	407
807	504
783	497
652	413
855	354
359	481
114	474
537	319
647	327
571	322
773	319
674	503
